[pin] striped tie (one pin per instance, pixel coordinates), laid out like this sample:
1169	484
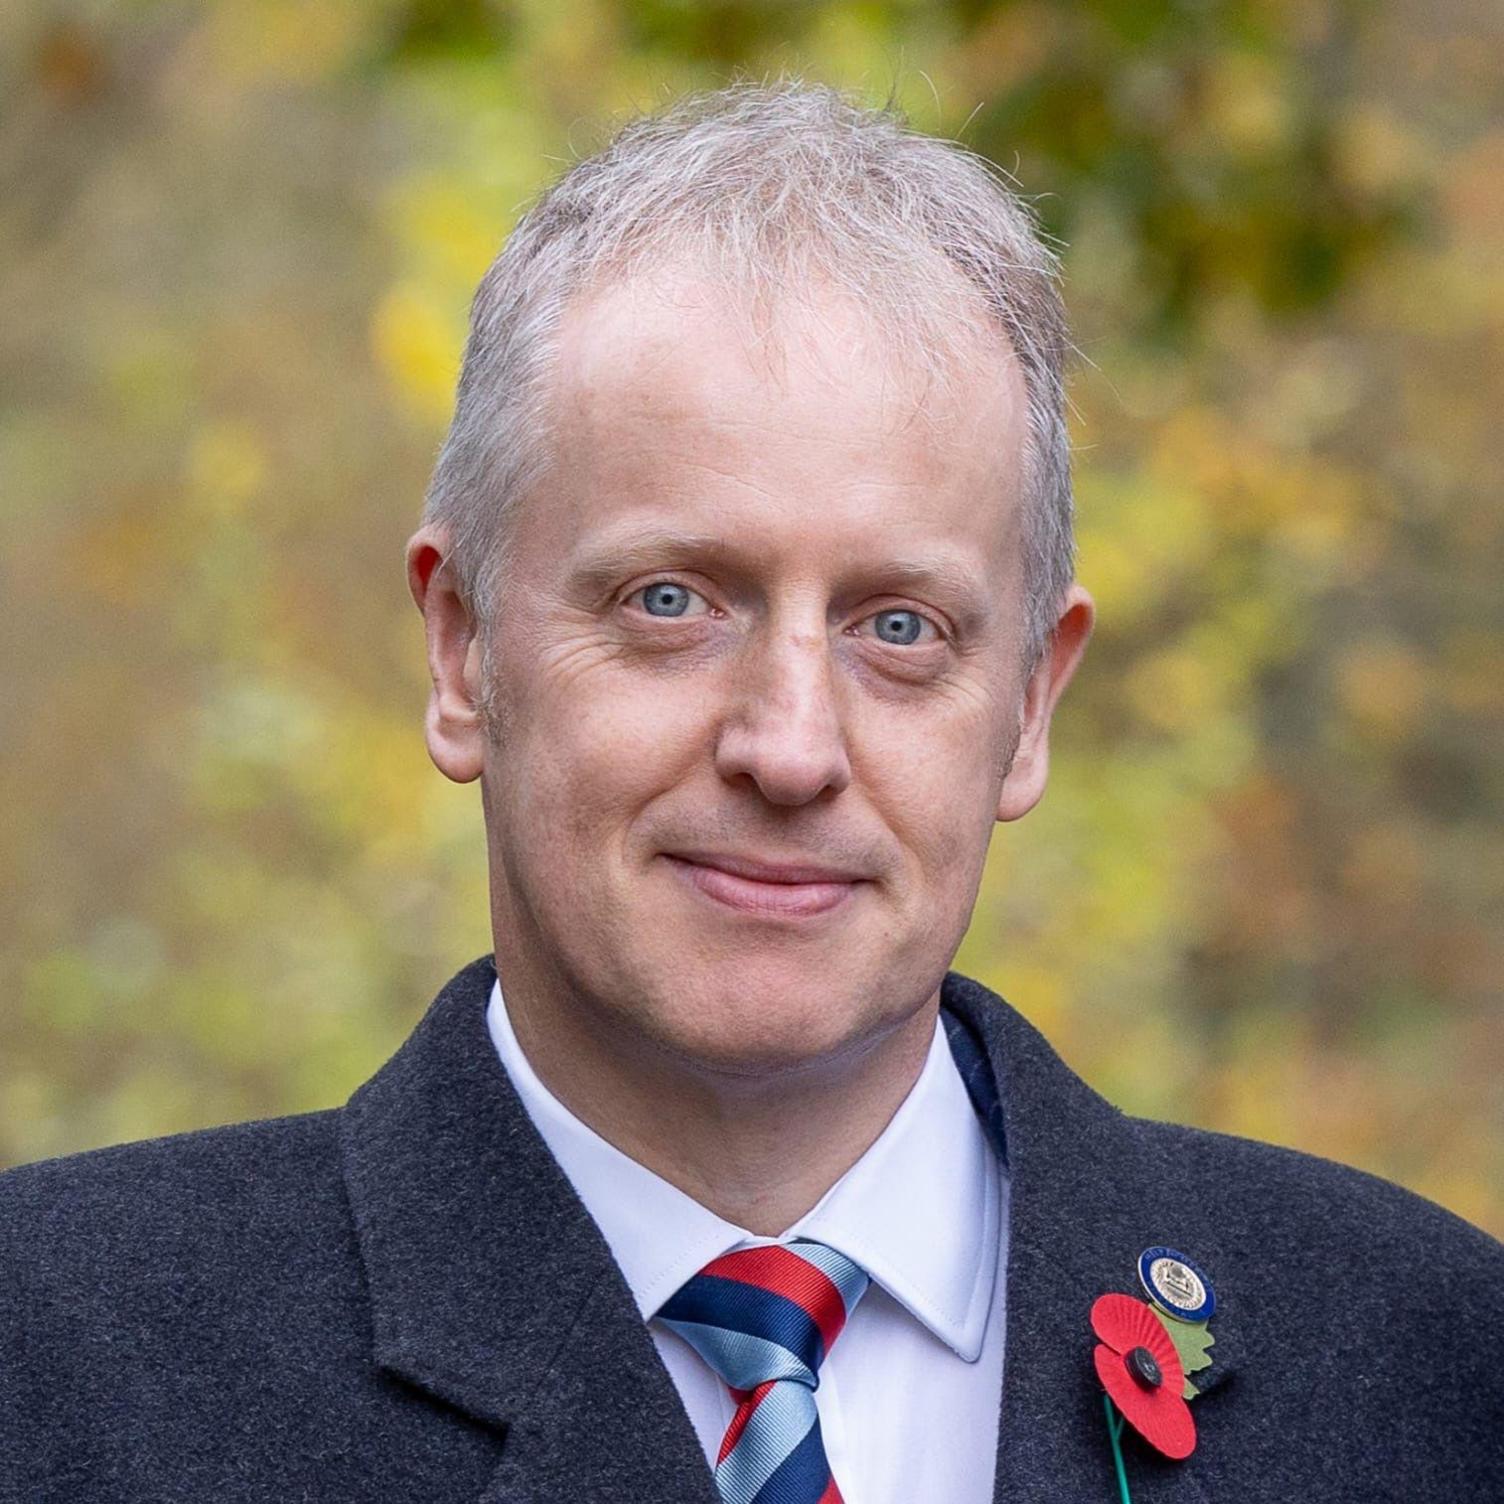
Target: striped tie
764	1319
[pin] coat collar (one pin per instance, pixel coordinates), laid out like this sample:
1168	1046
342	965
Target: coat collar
1090	1189
493	1290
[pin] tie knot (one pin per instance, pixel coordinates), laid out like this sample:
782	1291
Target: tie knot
760	1314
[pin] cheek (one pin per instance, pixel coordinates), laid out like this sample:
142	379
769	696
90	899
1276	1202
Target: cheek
935	779
588	751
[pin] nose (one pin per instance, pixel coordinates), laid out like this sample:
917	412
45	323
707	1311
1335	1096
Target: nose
784	731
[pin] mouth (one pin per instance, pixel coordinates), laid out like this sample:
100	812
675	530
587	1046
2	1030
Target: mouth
768	889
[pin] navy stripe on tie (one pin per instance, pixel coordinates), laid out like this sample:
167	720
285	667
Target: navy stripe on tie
803	1475
713	1301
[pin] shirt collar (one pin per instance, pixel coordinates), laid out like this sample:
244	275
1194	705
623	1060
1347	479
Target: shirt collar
921	1211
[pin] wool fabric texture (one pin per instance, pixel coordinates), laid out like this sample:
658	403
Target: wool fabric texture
404	1299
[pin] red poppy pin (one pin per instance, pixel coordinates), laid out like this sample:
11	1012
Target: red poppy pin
1145	1351
1140	1370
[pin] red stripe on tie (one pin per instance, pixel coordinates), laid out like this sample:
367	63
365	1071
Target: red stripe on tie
744	1413
783	1273
832	1494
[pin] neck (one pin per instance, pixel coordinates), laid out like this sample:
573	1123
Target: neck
758	1149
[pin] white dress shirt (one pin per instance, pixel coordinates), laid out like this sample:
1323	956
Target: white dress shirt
910	1393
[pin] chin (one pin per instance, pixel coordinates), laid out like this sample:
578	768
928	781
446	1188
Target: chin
768	1016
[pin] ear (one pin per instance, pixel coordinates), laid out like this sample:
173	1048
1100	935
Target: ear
453	726
1023	785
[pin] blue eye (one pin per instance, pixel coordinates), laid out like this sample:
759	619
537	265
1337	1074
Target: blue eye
665	598
899	627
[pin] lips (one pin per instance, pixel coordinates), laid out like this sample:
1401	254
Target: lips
772	889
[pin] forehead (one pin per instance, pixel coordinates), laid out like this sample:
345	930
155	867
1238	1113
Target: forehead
668	345
802	424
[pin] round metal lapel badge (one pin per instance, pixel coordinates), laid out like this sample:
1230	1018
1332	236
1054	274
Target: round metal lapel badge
1176	1285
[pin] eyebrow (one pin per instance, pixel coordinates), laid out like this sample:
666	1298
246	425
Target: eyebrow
602	566
942	576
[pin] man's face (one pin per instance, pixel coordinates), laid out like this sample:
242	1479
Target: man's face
758	679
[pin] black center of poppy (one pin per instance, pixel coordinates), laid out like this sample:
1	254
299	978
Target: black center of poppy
1140	1363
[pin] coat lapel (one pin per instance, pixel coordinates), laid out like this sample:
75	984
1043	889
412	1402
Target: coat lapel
492	1289
1090	1190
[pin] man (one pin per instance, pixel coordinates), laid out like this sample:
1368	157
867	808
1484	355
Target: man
747	588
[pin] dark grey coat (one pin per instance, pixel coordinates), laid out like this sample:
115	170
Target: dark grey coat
403	1299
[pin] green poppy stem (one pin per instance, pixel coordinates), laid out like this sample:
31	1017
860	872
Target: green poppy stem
1114	1431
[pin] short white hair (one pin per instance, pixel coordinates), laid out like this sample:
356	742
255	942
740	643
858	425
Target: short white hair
771	188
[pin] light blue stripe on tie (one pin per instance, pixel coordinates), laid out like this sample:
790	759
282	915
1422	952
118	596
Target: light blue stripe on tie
742	1360
850	1279
783	1419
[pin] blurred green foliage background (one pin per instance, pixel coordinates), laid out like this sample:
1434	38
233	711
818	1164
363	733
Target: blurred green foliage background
237	243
